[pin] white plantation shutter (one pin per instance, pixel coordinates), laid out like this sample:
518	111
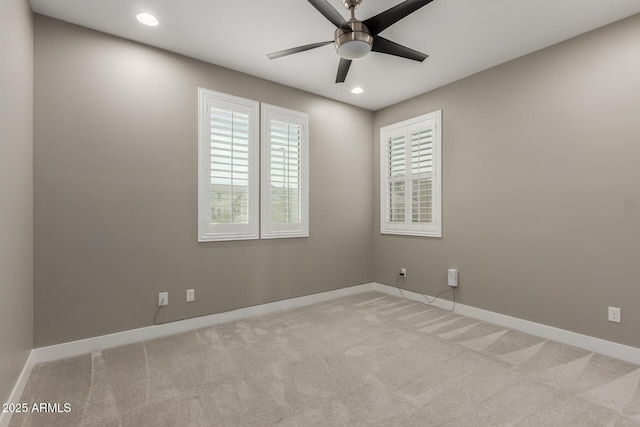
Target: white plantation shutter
285	187
396	172
411	176
421	175
228	167
285	172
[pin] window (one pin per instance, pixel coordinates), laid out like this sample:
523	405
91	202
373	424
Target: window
285	187
229	170
410	176
228	167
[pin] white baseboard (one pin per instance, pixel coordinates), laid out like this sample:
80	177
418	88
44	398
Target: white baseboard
597	345
77	348
85	346
18	389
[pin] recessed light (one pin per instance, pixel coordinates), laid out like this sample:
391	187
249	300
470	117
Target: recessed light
357	90
147	19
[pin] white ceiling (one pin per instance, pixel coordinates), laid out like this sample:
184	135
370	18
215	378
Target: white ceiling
461	37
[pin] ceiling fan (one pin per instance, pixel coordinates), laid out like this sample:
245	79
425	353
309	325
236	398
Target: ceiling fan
354	39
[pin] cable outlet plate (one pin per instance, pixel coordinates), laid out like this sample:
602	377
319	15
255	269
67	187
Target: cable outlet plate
163	299
615	315
191	295
452	278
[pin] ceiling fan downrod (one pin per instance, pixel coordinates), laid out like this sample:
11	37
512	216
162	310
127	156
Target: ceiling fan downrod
351	5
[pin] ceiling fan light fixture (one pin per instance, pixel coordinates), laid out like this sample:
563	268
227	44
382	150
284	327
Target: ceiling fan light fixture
354	49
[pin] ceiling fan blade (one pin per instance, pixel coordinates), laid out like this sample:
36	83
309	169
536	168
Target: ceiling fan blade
343	69
298	49
376	24
329	12
382	45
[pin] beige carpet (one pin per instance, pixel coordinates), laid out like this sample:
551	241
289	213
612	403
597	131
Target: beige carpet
369	359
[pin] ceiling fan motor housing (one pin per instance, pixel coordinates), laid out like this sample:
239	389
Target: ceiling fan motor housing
354	42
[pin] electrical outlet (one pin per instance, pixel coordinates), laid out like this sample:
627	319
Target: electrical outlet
163	299
403	272
615	315
191	295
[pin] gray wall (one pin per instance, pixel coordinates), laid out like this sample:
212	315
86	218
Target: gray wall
115	155
16	190
541	180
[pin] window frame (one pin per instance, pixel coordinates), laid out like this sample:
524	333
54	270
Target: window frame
208	232
406	128
268	229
